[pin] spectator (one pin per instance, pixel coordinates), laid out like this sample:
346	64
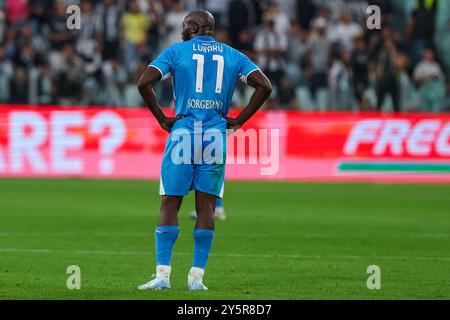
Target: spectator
45	87
19	87
39	13
10	44
27	57
271	49
319	48
286	7
429	77
6	73
174	22
68	70
155	12
16	11
281	21
358	9
218	10
135	26
110	12
341	97
421	28
58	33
240	17
408	96
96	90
116	78
28	36
2	25
245	43
386	73
90	34
297	53
30	48
360	71
306	11
286	95
446	101
345	32
131	95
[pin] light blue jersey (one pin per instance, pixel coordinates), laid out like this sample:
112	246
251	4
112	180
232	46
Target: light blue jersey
204	74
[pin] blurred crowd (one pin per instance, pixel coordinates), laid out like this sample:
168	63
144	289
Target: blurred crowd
319	54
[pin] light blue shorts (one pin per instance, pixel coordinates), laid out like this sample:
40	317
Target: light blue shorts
193	163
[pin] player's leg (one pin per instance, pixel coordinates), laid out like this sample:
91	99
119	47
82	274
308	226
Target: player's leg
176	180
203	237
170	206
166	233
205	205
208	184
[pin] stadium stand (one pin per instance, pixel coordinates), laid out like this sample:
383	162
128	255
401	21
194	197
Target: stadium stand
319	54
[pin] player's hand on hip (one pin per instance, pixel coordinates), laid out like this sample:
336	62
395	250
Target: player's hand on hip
168	122
232	123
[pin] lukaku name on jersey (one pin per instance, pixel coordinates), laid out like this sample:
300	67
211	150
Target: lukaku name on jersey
202	47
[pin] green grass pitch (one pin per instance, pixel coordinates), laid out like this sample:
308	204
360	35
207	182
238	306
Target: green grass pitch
280	241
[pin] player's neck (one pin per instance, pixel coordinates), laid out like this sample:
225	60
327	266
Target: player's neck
205	34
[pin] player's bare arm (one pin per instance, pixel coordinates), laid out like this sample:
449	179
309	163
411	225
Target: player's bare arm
145	85
263	89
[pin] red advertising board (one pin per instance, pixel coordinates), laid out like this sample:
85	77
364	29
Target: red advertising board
274	145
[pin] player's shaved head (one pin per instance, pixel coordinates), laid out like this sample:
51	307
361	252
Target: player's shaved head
202	18
198	23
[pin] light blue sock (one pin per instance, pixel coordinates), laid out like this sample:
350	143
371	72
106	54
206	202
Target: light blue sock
165	237
202	246
219	203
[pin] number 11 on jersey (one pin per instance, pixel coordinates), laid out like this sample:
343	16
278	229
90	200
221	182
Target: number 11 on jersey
200	67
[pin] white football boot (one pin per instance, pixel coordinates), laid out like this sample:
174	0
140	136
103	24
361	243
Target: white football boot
161	281
219	214
195	279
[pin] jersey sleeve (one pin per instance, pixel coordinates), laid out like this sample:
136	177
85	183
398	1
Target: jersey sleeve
164	62
246	66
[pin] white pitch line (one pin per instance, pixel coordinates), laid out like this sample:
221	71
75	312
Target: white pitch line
228	235
232	255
